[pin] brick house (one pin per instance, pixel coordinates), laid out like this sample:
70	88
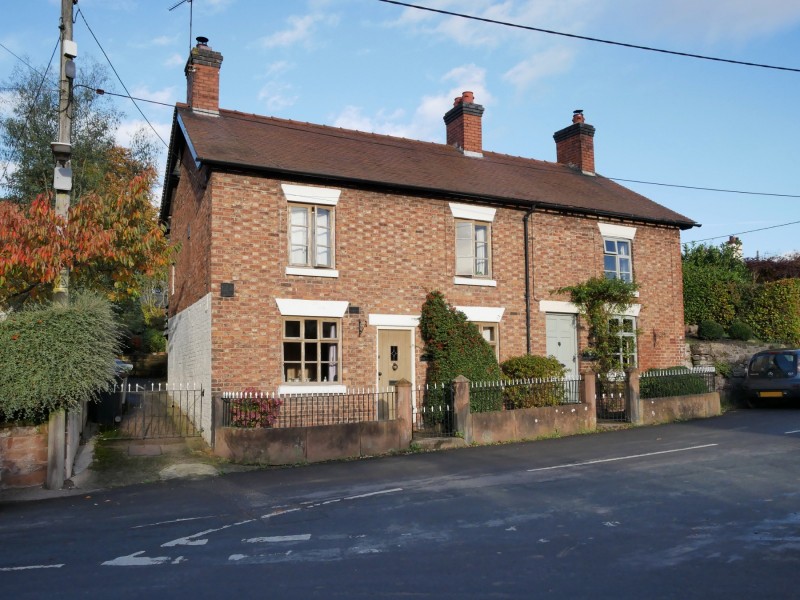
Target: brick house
306	251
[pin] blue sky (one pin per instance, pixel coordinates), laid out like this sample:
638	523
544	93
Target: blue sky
368	65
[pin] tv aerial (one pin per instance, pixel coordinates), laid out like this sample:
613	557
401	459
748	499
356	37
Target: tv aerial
176	5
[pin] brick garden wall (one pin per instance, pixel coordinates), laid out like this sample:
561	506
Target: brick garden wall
23	455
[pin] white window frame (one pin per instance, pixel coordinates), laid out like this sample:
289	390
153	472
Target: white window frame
317	363
481	216
312	235
627	335
617	273
316	199
326	310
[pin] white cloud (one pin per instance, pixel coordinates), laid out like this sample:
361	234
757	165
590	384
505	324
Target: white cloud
128	129
425	123
175	60
276	96
163	40
553	61
300	29
278	67
167	95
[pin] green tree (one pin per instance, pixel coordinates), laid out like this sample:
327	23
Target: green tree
716	283
30	124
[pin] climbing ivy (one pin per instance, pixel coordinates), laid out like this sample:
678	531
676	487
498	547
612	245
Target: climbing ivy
598	300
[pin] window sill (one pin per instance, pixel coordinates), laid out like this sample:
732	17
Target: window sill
304	389
471	281
310	272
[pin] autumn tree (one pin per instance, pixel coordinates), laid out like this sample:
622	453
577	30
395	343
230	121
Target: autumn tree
110	241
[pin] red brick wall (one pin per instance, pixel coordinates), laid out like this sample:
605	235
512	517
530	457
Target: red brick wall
390	251
569	250
23	456
577	150
190	226
202	90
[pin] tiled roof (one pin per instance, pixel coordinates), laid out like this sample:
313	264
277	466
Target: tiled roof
268	144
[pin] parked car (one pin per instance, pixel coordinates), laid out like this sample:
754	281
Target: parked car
773	374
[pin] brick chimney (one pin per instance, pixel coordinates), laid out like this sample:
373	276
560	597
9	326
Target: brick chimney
575	144
464	125
202	78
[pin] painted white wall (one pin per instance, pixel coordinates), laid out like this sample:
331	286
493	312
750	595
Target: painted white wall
189	357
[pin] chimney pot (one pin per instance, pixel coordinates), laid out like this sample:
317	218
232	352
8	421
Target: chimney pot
463	123
575	144
202	78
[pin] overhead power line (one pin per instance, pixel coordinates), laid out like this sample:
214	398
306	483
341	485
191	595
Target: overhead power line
717	237
589	39
99	45
22	60
705	189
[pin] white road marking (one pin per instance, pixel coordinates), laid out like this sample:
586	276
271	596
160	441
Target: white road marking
29	567
605	460
795	431
170	522
136	560
391	491
190	540
303	537
281	511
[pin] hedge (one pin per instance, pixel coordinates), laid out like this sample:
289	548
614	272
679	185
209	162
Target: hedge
661	385
52	357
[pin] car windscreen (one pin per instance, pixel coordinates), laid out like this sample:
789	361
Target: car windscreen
778	364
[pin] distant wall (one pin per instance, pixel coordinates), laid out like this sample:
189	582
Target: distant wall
23	455
679	408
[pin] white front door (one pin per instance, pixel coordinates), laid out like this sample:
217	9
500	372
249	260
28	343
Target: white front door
562	341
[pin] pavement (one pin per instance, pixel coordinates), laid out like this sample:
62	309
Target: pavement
104	462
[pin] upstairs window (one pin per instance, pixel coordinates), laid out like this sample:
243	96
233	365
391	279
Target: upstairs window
617	259
311	236
473	249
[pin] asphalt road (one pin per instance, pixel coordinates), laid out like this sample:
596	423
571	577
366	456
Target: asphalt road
704	509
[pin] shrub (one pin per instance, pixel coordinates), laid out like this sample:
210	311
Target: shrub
740	331
254	409
775	312
710	330
53	357
154	340
529	366
454	347
679	382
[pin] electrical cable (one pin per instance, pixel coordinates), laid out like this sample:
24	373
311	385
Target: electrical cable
717	237
80	12
589	39
22	60
4	176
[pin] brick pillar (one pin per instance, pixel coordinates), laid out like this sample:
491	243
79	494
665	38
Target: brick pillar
589	384
463	419
464	127
633	405
575	144
404	415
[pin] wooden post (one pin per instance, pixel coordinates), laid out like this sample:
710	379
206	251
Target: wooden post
463	417
55	450
404	412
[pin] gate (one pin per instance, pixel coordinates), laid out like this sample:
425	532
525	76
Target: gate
159	412
611	400
434	415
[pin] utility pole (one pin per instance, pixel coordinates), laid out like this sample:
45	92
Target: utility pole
62	184
62	148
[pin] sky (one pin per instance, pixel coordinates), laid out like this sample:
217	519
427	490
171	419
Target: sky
379	67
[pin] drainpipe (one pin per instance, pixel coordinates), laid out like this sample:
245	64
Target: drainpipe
528	279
